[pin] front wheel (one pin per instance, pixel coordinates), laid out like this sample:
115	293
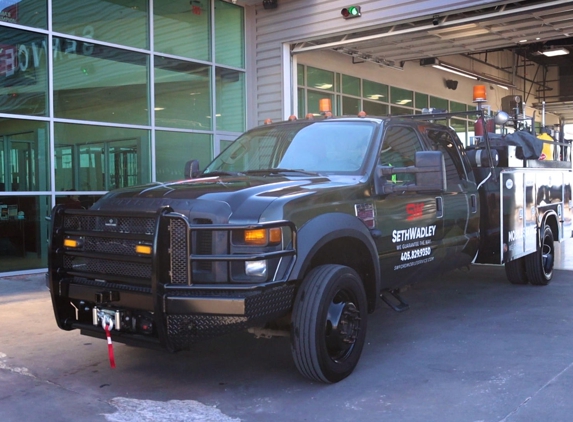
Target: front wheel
329	323
539	265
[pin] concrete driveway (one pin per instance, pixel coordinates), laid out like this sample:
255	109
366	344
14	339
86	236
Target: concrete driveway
471	348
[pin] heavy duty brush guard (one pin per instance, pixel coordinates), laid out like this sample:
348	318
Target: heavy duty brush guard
160	279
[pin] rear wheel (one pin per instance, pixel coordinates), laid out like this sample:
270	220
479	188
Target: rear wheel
515	271
539	265
329	323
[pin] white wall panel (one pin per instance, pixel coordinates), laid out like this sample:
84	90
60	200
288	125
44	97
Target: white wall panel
300	20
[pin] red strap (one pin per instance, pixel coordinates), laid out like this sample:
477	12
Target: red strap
109	347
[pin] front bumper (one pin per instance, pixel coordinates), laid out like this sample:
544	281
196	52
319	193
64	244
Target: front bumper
173	310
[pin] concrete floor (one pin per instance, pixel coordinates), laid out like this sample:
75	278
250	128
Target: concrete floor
471	348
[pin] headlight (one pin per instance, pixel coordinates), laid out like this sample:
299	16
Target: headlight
256	268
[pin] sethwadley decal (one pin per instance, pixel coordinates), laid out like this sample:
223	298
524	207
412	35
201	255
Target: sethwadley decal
414	238
413	233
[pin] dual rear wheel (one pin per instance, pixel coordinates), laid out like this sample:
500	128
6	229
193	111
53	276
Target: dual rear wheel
535	268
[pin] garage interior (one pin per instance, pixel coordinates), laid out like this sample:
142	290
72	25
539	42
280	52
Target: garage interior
536	34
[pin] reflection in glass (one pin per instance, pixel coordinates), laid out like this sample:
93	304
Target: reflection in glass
23	72
350	106
301	103
350	85
94	82
319	79
24	155
229	34
401	96
118	21
374	109
374	91
314	102
439	103
98	158
23	232
25	12
174	149
421	100
182	94
230	85
460	126
182	28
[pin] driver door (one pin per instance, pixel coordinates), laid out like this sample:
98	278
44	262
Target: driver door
410	223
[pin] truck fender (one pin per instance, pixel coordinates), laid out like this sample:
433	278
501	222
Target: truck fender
326	228
551	219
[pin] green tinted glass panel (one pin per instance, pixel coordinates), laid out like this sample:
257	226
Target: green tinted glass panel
457	106
319	79
374	109
350	85
401	110
182	28
230	85
24	155
229	34
314	102
24	12
120	21
421	100
23	72
375	91
300	74
460	126
99	158
439	103
100	83
174	149
182	94
301	103
350	106
401	97
23	232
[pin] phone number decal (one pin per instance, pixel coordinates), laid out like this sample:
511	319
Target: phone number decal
415	253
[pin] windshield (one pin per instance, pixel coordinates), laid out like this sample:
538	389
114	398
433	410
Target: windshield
318	147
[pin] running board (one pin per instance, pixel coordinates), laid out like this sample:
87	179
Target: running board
400	306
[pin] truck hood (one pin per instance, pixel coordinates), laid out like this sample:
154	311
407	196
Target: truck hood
240	198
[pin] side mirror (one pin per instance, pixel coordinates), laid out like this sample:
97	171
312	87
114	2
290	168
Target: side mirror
429	170
192	169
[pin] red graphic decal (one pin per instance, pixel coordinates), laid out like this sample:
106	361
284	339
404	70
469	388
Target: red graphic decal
414	211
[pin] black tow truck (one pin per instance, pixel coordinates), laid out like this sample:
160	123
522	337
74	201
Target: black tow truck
298	227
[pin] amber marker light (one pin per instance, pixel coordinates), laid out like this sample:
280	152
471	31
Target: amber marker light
70	243
262	237
275	235
256	237
143	249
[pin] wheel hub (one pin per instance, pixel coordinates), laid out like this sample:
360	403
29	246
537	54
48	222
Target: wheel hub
343	326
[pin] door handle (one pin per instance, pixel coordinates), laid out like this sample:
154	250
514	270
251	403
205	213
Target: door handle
439	207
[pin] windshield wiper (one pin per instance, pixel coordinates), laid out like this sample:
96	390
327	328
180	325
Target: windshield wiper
281	170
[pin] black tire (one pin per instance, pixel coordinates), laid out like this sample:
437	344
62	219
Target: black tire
539	265
515	271
329	323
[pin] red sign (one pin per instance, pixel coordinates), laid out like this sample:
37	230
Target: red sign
414	211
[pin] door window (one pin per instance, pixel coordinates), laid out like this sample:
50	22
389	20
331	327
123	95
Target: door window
399	150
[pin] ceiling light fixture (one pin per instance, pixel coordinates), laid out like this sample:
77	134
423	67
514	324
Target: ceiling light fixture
552	52
463	72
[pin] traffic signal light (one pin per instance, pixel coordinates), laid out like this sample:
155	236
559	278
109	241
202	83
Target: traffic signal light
351	12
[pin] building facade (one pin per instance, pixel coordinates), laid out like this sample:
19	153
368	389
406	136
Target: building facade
98	95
